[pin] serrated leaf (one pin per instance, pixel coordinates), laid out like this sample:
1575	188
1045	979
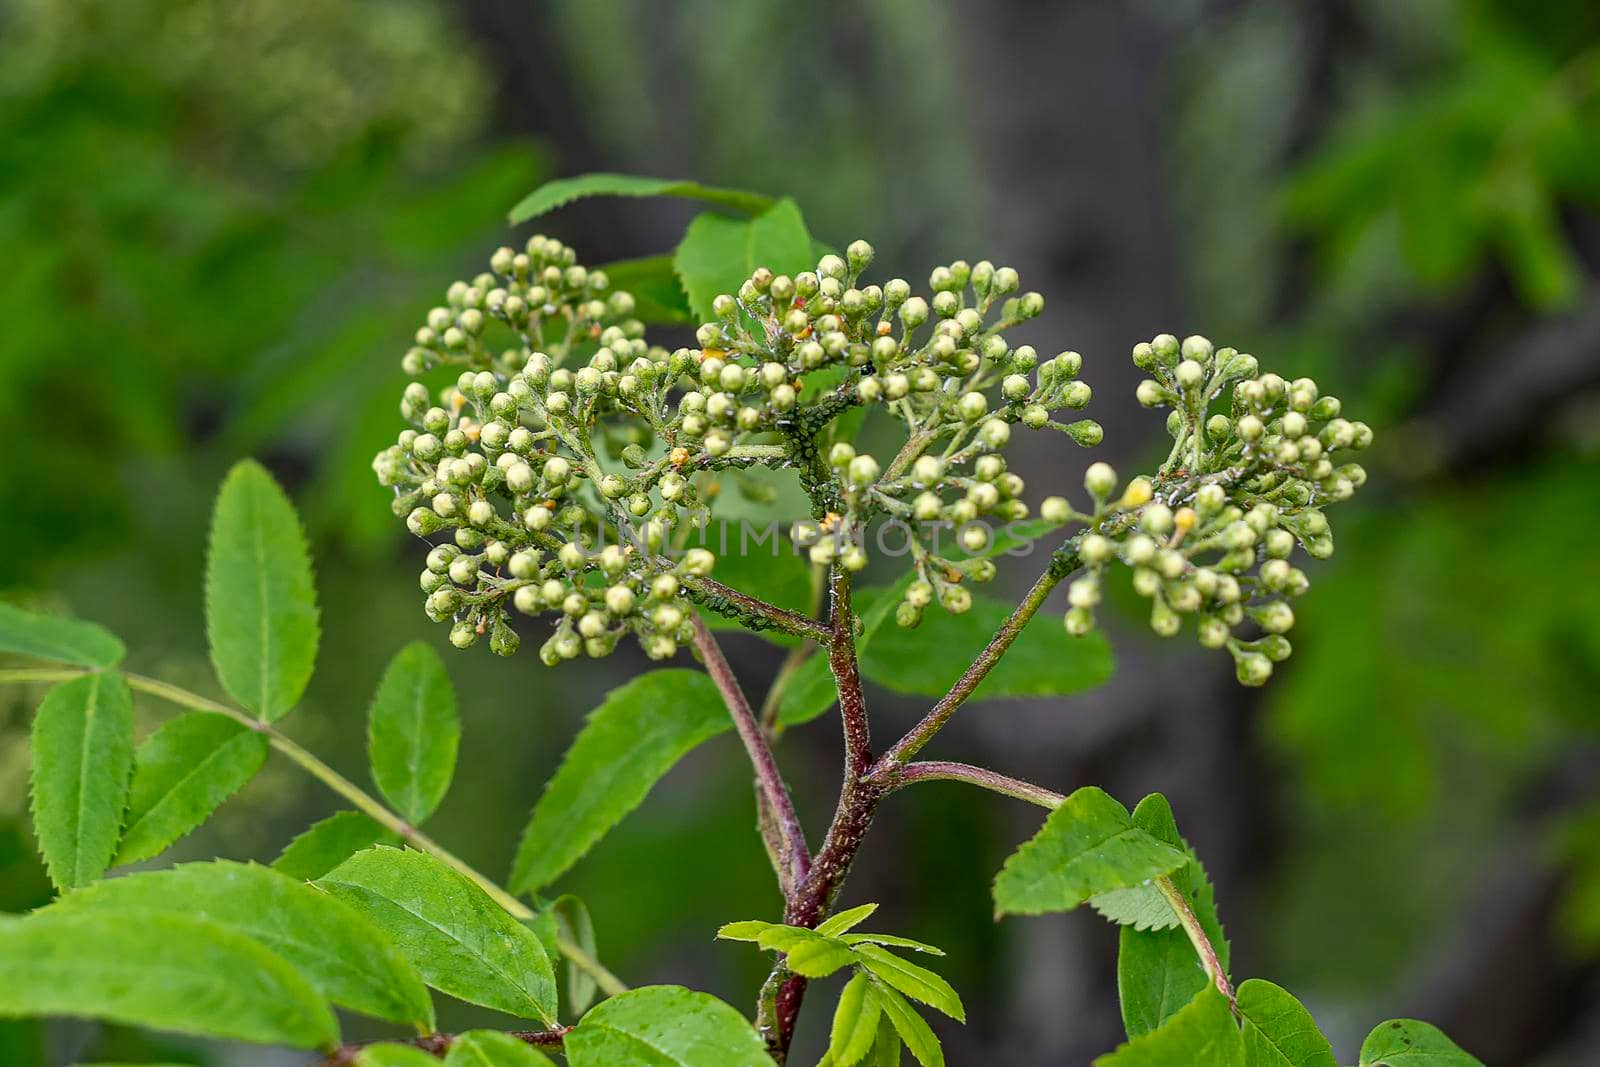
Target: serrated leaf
413	732
181	774
82	759
628	743
912	1028
84	644
1141	907
343	955
658	297
562	191
1158	970
886	1050
490	1048
807	952
718	253
261	603
1412	1043
1278	1030
575	924
855	1022
892	941
168	972
744	930
846	920
914	981
393	1054
1044	660
1203	1032
328	843
457	937
1088	846
665	1026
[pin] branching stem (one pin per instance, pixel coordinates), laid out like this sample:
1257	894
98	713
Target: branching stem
439	1044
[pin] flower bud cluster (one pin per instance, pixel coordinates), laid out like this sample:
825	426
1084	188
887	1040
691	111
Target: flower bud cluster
1212	536
507	461
805	349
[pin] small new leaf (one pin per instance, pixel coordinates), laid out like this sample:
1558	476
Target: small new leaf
456	936
846	920
1412	1043
855	1022
413	732
665	1026
261	604
916	982
82	759
912	1028
807	952
181	774
83	644
1088	846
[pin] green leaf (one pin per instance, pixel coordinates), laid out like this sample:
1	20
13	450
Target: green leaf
1142	907
1202	1033
1088	846
261	605
628	743
1044	660
1158	970
658	298
458	938
912	1028
82	759
855	1022
169	972
916	982
1278	1030
745	930
181	774
769	570
886	1051
391	1054
552	195
807	952
328	843
1412	1043
348	959
83	644
892	941
846	920
665	1026
718	253
575	924
490	1048
413	732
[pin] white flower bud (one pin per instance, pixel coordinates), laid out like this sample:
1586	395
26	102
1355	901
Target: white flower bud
1100	480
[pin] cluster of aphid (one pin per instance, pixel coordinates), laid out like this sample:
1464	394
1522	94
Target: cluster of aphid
1211	535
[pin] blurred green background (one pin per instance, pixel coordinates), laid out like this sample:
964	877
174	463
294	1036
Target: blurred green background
221	219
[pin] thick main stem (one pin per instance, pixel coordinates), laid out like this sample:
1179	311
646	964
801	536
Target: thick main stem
359	798
779	806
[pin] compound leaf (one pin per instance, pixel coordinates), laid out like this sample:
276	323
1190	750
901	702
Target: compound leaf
348	959
912	1028
261	604
456	936
916	982
665	1026
85	644
82	759
181	774
413	732
628	743
1088	846
562	191
170	972
846	920
855	1022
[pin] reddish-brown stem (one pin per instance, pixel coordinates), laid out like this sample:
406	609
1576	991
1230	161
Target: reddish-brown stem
780	807
439	1044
